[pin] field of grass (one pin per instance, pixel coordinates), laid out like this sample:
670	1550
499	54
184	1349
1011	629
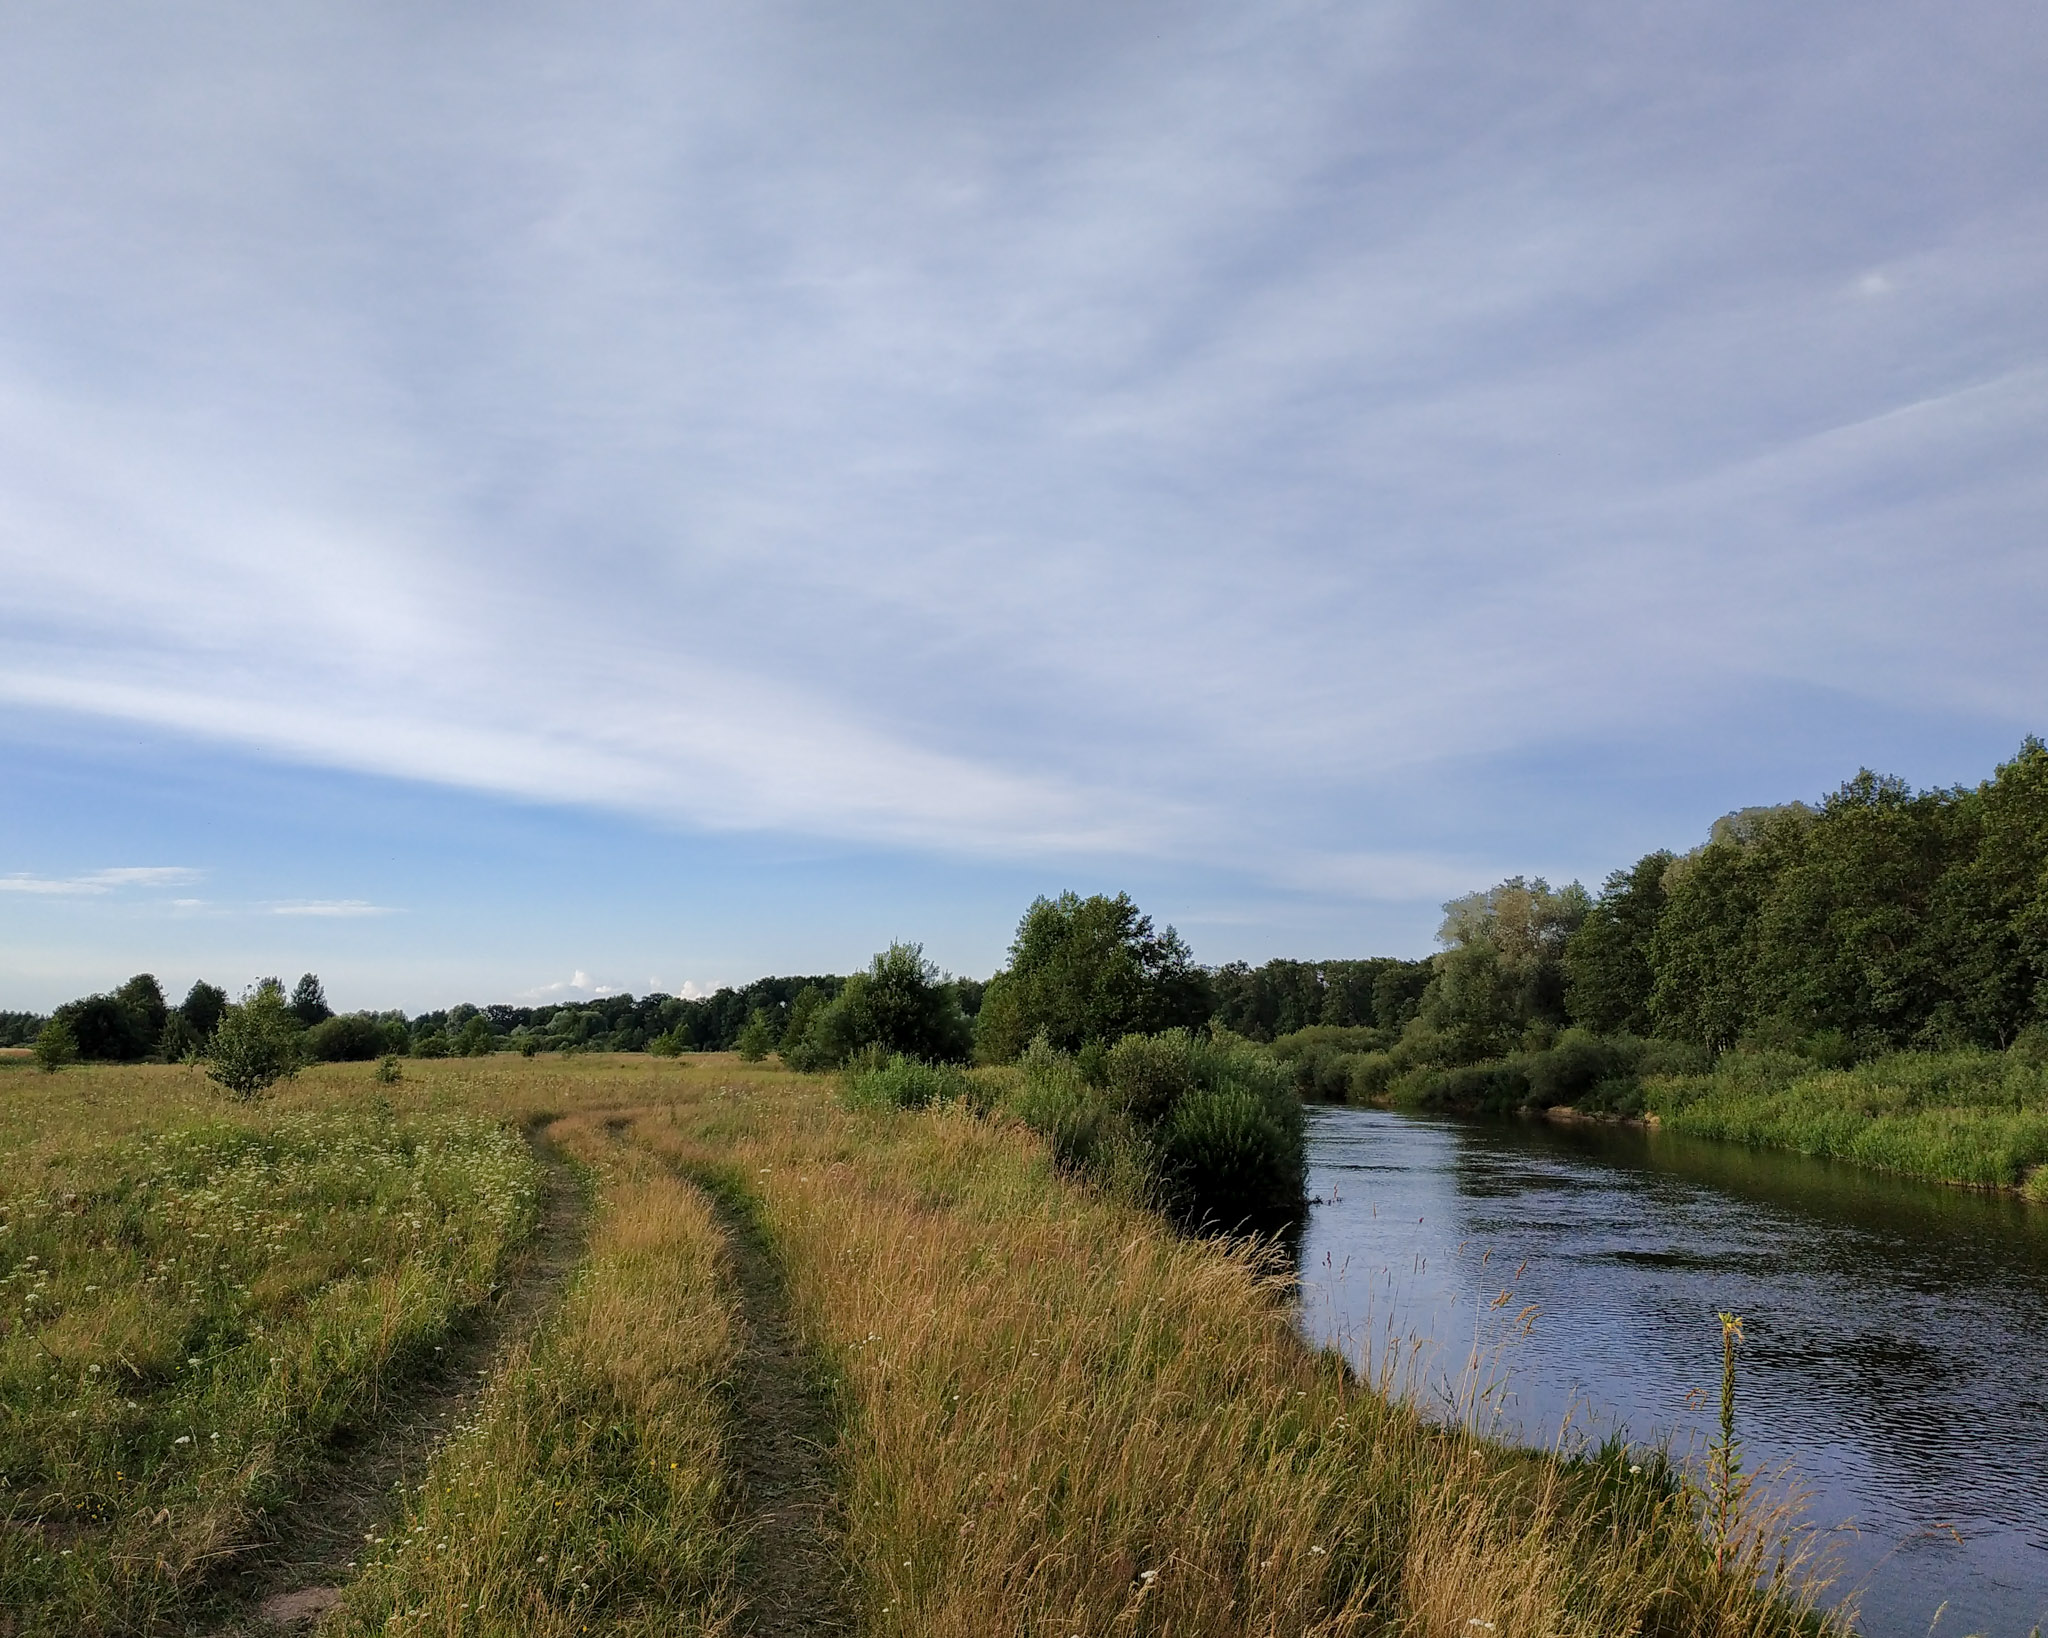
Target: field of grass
823	1369
195	1297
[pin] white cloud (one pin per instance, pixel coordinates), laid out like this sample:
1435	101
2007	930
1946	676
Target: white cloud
100	881
578	985
332	907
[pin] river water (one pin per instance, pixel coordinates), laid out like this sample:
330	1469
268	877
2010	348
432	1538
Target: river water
1897	1352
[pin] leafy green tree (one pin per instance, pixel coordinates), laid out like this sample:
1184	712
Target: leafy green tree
1397	991
1706	948
1085	970
256	1043
178	1041
795	1047
55	1046
354	1037
1503	975
1608	968
106	1030
757	1039
475	1039
1842	940
1990	911
202	1007
309	1002
143	996
902	1003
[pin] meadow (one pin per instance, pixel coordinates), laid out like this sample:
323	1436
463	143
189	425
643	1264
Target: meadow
821	1366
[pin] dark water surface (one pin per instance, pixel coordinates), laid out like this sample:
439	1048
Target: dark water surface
1897	1348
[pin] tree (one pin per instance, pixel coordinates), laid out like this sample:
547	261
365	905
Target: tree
55	1046
756	1039
179	1040
106	1030
354	1037
309	1002
143	996
902	1003
795	1048
1086	970
202	1007
1503	974
1608	971
256	1043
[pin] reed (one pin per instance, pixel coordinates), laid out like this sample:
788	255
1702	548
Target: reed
1977	1118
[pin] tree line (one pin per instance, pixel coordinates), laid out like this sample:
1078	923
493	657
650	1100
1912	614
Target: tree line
1879	919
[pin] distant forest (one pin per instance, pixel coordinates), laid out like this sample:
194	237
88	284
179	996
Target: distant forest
1878	919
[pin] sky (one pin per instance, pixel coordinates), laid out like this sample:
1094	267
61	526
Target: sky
512	502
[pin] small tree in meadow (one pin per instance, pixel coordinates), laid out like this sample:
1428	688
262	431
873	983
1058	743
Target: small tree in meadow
256	1043
55	1047
757	1040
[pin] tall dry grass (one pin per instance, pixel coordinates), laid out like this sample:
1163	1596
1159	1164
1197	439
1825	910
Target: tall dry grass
1060	1417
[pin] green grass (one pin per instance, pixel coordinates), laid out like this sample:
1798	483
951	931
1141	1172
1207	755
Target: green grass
1978	1118
589	1493
188	1313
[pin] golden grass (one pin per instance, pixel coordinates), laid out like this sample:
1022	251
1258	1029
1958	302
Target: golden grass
1061	1417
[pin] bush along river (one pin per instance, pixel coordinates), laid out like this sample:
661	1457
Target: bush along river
1896	1351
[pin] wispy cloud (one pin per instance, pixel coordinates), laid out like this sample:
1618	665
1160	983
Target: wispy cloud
1052	432
332	907
100	881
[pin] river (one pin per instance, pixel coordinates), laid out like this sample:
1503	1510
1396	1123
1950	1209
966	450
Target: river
1897	1333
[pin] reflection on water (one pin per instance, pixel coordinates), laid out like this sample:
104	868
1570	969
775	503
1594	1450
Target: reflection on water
1898	1332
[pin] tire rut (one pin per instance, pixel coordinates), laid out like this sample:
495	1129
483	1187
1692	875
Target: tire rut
794	1563
295	1575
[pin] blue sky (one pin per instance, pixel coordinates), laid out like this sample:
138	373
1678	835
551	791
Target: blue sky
502	501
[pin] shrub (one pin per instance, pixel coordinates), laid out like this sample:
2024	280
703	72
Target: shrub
255	1045
389	1070
1212	1129
55	1046
1368	1076
1082	1122
432	1044
350	1038
1228	1163
756	1039
899	1082
1578	1062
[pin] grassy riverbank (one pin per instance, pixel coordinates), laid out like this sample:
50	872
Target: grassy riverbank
1976	1118
899	1350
